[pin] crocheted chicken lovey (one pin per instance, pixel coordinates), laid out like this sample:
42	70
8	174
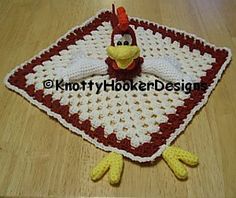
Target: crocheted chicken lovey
123	61
137	124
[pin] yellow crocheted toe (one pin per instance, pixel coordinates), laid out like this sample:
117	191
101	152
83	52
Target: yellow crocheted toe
112	162
172	155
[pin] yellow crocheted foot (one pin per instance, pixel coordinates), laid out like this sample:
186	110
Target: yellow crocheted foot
172	155
113	162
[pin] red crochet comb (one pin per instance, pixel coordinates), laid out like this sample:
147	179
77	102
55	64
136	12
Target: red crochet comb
123	21
114	19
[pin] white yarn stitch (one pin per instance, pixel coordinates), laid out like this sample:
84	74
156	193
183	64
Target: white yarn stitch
165	68
81	67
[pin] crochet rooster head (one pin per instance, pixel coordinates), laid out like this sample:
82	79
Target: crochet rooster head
124	61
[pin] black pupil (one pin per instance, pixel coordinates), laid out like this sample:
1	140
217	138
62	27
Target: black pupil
126	42
119	43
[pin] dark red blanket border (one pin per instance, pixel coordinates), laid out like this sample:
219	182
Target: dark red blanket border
174	121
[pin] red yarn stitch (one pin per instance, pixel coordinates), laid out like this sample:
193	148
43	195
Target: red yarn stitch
55	106
39	95
64	111
30	90
74	120
47	100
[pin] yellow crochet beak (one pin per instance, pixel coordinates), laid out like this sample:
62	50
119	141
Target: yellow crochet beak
123	55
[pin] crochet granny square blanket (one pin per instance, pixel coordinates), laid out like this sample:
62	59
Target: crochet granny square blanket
136	124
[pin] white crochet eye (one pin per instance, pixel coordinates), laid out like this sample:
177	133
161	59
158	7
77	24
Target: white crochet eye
118	39
127	39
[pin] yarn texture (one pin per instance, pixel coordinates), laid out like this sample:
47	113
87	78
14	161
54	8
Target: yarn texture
172	155
112	162
139	125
